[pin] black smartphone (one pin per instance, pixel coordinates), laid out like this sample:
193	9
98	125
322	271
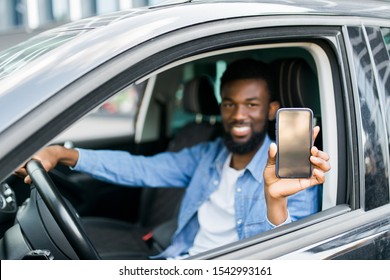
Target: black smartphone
294	133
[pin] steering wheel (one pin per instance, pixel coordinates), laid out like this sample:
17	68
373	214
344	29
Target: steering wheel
63	215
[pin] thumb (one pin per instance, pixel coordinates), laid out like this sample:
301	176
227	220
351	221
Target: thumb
269	171
272	154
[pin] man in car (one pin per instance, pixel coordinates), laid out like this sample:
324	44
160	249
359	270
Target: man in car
232	190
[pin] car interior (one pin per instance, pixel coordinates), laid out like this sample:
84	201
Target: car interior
174	108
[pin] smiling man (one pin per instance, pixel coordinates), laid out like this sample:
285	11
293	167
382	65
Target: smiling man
247	106
232	190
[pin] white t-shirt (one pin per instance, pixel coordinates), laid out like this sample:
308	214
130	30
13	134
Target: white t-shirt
216	215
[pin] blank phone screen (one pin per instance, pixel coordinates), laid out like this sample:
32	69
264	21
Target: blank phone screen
294	140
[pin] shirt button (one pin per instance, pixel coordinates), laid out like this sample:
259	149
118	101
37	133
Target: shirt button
238	189
239	222
216	182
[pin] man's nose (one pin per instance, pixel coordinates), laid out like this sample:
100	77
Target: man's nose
240	112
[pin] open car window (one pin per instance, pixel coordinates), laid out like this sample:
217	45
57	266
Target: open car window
304	80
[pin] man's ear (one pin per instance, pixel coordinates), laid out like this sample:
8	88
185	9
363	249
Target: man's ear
272	109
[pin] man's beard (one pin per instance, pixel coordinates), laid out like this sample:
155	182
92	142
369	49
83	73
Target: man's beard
251	145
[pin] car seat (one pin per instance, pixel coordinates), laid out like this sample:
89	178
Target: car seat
116	239
296	86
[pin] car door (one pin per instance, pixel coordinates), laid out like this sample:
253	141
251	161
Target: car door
345	95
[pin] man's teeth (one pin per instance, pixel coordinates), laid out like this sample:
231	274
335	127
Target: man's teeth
241	128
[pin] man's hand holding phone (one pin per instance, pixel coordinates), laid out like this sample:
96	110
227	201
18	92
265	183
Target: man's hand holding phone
278	189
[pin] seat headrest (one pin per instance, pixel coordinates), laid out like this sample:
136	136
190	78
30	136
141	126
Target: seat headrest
297	84
199	97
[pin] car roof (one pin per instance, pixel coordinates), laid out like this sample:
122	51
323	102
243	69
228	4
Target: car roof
368	8
94	41
371	8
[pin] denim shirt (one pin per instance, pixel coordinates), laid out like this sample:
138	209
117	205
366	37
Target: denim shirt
199	169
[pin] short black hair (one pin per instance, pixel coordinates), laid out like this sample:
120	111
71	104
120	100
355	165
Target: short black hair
248	68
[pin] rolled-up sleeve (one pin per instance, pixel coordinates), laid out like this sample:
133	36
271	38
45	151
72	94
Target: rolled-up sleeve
270	225
120	167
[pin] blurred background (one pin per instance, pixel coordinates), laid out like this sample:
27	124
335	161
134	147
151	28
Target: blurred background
21	19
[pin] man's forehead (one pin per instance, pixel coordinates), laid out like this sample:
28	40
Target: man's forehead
244	82
247	88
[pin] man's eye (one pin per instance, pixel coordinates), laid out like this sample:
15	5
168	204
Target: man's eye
227	105
250	105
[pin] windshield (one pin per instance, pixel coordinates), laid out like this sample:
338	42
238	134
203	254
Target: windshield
18	56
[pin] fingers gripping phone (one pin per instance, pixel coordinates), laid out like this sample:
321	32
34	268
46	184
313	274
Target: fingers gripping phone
294	133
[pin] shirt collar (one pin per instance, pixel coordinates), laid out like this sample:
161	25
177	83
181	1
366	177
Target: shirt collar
256	165
221	157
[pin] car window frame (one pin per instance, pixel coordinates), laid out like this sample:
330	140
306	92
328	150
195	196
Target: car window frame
333	212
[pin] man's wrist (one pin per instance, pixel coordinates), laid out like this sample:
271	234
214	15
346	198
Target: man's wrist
67	156
277	212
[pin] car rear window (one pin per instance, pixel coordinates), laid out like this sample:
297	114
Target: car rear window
386	37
